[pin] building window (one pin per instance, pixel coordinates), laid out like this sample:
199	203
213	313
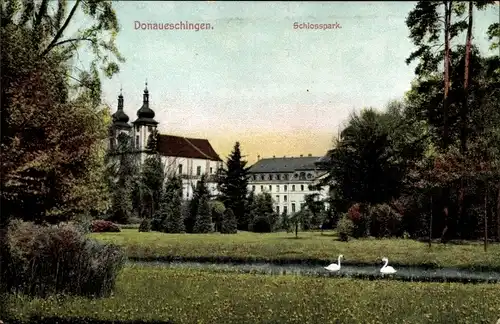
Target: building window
270	177
277	210
293	207
286	188
302	206
301	187
293	187
285	210
255	177
261	188
180	169
302	176
150	129
277	198
286	176
309	175
277	188
137	141
253	188
285	198
211	170
277	177
262	177
198	170
270	188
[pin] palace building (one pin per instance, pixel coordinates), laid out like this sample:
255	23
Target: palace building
289	180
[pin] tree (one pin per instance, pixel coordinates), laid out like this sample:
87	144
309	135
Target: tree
426	26
218	210
48	22
316	207
300	219
200	191
173	221
123	180
265	218
233	183
250	208
285	221
203	223
153	177
229	223
43	176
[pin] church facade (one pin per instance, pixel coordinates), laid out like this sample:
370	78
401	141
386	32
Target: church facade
189	158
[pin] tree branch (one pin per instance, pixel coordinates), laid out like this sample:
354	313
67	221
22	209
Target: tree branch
61	30
72	40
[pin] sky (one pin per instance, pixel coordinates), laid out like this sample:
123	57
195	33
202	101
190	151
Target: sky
252	77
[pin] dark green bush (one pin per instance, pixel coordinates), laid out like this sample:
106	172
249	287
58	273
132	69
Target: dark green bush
145	225
59	259
345	228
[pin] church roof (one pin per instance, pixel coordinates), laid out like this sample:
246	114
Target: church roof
185	147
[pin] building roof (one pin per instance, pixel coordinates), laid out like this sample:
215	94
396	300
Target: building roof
285	164
185	147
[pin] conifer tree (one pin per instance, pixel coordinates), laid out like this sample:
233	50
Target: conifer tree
174	221
153	177
203	222
233	182
200	190
122	188
229	223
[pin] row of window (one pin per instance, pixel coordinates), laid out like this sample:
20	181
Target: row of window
302	187
299	176
198	170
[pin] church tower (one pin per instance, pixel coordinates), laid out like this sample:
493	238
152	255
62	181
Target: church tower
144	124
120	123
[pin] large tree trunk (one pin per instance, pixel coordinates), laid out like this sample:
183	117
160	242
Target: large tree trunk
464	112
447	24
465	108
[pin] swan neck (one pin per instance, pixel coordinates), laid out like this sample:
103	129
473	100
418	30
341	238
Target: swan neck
339	261
385	264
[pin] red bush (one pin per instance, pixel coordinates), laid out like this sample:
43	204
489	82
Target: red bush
354	213
102	226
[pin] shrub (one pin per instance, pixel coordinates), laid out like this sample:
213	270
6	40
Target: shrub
385	221
102	226
145	225
345	228
360	217
60	259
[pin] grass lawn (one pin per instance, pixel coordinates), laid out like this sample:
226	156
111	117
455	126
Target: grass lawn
193	296
310	245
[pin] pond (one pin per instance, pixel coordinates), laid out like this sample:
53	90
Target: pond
358	272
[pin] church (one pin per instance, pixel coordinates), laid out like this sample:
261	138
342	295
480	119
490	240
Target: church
189	158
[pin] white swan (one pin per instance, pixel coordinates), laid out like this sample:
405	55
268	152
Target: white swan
335	266
385	268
